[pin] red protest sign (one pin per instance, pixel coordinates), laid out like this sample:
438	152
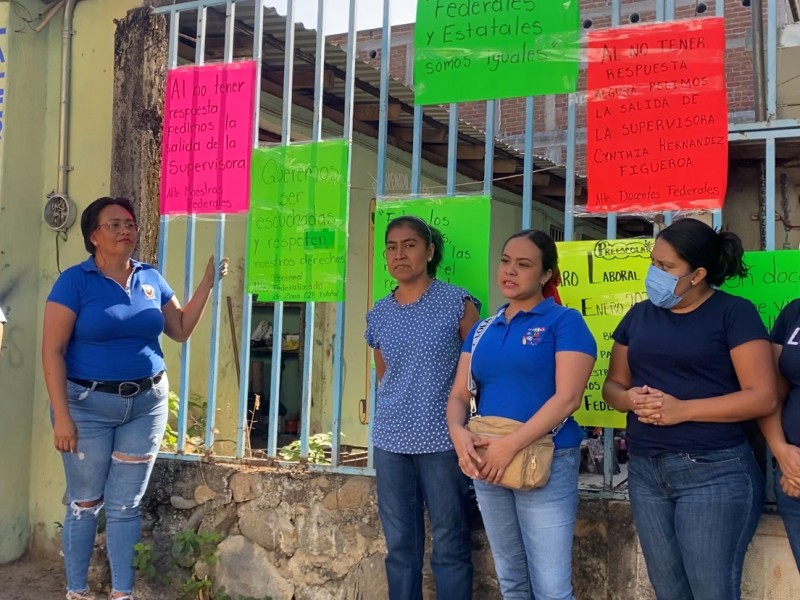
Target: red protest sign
657	117
208	139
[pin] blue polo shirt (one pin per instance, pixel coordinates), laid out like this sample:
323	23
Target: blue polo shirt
514	365
116	331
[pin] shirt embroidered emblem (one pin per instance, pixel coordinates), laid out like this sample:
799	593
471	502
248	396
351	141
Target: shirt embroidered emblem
149	292
533	336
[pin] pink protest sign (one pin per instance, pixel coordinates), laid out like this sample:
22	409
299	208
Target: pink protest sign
208	139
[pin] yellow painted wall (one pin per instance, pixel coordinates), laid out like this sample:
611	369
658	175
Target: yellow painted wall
35	171
21	198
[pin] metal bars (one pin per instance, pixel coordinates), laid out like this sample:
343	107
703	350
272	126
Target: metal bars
769	131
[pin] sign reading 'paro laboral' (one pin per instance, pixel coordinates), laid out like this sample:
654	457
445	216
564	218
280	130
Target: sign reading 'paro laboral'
462	222
772	282
657	117
602	280
208	139
480	49
297	227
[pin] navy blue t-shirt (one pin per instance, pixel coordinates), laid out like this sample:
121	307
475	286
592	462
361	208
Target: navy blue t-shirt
786	332
688	356
514	365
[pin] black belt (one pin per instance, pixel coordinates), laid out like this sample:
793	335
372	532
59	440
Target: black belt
126	389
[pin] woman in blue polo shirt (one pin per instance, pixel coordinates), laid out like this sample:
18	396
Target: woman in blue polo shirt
416	332
531	364
782	427
104	371
692	368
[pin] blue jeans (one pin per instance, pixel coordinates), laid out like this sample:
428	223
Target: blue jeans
531	532
407	483
118	440
695	515
789	509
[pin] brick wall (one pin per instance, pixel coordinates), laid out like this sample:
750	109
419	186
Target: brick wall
550	113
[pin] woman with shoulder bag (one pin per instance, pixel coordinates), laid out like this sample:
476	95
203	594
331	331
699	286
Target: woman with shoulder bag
530	365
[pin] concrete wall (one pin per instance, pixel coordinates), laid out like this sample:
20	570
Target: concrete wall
22	150
28	249
31	476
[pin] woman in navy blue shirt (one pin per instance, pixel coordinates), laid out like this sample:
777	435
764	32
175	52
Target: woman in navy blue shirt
782	427
416	333
691	366
104	371
531	365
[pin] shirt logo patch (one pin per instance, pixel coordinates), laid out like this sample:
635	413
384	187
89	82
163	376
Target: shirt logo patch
533	336
149	292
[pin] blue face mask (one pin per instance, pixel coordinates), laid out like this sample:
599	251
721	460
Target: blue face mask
660	287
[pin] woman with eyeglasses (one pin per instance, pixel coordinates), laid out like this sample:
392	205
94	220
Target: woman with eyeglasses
692	368
104	371
416	333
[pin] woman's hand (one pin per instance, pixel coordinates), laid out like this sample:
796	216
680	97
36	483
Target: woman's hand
65	434
789	487
499	454
789	460
465	443
634	396
659	408
208	276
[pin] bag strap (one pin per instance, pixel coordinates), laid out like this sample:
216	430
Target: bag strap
472	386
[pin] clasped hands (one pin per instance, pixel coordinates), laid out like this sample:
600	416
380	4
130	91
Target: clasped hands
655	407
491	463
789	461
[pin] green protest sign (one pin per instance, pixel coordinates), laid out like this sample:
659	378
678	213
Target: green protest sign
297	225
467	50
772	281
602	280
464	223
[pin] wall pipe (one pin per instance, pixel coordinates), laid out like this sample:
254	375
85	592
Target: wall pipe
66	81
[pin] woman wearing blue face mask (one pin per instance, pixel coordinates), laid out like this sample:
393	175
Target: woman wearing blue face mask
692	368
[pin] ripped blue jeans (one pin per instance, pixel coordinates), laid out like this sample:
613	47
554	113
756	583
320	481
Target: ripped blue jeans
118	441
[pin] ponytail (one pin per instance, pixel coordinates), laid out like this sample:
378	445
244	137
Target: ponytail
720	253
731	258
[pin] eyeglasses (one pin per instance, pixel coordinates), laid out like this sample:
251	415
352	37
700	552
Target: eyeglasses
117	225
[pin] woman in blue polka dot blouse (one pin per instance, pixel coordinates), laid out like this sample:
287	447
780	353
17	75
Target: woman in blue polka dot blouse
416	333
531	364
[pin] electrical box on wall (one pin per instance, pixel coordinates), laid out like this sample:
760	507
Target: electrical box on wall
59	212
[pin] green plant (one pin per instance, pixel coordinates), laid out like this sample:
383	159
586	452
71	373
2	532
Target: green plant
144	560
188	549
196	422
184	569
317	445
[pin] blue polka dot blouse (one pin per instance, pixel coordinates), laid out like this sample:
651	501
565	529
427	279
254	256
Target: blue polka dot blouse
420	343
